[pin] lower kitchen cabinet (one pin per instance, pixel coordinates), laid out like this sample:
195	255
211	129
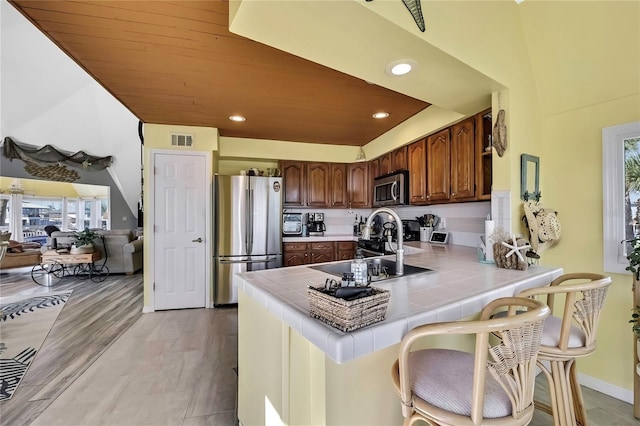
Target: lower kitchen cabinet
322	252
345	250
295	254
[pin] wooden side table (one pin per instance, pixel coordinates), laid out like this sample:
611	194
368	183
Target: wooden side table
70	259
53	267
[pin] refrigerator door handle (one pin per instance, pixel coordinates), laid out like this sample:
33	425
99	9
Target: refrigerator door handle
267	260
247	222
251	212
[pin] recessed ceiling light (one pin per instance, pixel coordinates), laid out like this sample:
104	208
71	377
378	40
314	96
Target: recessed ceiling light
378	115
401	67
237	118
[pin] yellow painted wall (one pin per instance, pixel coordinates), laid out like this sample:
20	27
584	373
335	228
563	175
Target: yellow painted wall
282	150
233	166
588	77
571	167
566	78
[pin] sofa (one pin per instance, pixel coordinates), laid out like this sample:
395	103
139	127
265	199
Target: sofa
14	254
124	251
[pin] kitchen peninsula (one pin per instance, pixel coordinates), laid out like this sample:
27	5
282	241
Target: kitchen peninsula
296	370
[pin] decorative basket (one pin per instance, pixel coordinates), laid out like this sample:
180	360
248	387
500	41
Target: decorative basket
348	315
512	262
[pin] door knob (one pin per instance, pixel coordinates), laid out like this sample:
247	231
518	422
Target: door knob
199	240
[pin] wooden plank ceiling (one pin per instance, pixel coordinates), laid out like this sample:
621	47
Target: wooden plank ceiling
177	63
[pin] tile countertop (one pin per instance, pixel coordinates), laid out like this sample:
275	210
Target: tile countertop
459	286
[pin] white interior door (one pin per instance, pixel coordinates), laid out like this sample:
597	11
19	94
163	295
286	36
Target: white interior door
181	209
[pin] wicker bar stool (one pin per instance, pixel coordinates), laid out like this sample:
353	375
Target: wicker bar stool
493	386
568	335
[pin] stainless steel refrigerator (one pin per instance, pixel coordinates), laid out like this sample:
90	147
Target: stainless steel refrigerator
248	230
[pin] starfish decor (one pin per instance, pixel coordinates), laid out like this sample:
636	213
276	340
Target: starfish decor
515	248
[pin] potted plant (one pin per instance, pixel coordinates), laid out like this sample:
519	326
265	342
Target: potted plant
634	258
83	242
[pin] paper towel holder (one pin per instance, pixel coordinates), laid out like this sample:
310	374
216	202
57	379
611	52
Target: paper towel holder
530	177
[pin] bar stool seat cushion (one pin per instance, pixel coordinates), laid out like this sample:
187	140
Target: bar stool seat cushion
551	334
444	378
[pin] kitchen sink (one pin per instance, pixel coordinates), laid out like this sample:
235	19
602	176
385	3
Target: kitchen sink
376	267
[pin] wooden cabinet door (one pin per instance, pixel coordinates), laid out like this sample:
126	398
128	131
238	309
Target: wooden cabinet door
438	166
374	168
294	254
358	185
385	164
346	250
463	160
321	256
483	155
293	182
339	197
318	192
295	259
322	252
417	159
399	159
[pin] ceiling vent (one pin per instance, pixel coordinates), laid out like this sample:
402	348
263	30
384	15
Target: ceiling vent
181	139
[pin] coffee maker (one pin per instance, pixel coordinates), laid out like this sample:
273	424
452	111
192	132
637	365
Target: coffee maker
315	224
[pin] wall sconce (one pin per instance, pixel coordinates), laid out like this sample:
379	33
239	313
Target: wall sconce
360	157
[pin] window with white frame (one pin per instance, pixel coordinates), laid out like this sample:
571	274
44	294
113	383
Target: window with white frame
621	192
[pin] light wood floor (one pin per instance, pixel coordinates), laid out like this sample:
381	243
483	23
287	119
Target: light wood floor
167	368
104	363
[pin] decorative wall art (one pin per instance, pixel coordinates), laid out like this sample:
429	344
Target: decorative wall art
530	177
51	164
414	7
500	134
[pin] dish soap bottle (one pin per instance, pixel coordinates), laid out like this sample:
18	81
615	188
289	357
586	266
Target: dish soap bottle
359	269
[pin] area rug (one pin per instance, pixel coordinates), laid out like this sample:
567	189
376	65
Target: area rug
24	325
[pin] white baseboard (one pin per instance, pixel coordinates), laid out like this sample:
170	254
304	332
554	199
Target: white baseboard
147	309
606	388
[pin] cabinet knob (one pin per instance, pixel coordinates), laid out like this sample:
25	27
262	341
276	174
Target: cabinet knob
453	195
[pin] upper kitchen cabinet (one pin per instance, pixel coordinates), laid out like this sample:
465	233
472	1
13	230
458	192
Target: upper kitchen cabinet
484	153
392	161
399	159
374	170
385	166
318	179
438	166
358	185
338	188
306	184
463	159
293	182
417	162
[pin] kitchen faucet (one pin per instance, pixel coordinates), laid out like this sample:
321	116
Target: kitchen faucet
366	234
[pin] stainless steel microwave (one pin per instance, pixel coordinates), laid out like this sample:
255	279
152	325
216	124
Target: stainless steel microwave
391	189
